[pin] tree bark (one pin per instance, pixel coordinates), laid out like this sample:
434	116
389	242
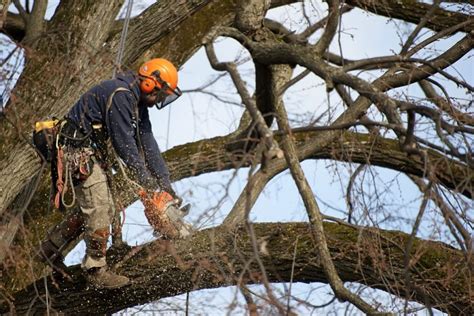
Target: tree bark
365	255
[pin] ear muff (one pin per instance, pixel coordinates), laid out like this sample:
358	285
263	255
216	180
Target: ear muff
147	85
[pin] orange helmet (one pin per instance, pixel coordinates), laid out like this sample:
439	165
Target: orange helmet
160	74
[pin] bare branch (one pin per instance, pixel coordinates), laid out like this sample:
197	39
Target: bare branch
409	243
434	115
444	104
314	214
444	73
449	214
331	27
266	134
293	81
19	7
413	12
251	306
349	191
316	26
419	26
36	22
301	38
409	145
444	60
284	53
446	32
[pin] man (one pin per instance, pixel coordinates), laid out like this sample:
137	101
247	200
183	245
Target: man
117	111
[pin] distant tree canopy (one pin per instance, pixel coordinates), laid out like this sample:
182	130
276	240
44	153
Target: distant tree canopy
379	122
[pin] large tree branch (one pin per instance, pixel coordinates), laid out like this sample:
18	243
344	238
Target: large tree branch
368	256
413	11
35	22
312	208
210	155
331	27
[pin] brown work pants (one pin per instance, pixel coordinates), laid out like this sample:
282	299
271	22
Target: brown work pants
96	204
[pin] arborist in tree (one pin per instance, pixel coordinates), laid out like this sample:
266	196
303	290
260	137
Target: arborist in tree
110	126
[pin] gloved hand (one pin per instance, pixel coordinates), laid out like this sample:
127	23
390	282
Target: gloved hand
166	186
163	214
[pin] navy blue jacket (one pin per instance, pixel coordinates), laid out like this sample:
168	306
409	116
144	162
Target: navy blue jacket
122	127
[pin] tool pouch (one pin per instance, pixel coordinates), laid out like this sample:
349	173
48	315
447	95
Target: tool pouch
72	136
44	137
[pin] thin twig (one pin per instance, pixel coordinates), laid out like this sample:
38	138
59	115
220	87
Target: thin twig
350	206
291	276
24	15
263	129
419	26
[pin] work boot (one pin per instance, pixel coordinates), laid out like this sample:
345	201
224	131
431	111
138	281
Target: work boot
95	261
101	278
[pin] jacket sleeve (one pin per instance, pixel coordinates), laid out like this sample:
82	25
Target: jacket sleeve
153	158
122	131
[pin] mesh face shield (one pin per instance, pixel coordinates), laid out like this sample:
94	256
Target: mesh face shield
164	98
166	94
